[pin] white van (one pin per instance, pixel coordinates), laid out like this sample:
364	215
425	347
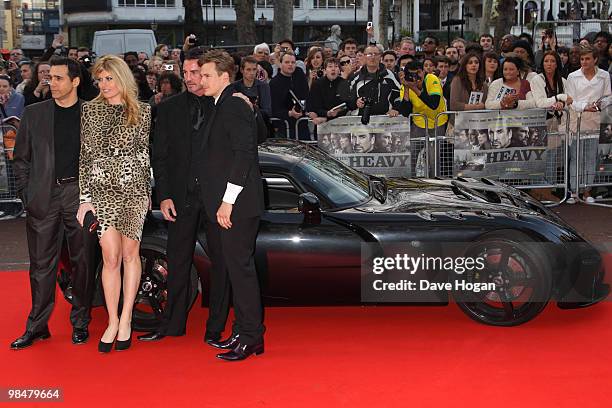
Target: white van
121	41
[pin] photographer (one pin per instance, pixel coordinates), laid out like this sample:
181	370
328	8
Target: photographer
374	87
324	94
284	105
423	95
257	91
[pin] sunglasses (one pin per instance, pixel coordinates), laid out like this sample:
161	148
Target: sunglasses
345	62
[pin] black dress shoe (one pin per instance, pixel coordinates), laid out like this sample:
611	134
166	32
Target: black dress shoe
29	338
152	336
227	344
80	336
242	351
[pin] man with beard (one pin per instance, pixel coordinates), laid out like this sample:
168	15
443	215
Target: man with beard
382	143
453	58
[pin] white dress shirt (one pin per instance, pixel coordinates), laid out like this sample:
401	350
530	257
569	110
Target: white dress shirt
583	91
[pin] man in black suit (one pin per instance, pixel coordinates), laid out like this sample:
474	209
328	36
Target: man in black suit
179	124
232	193
46	169
177	162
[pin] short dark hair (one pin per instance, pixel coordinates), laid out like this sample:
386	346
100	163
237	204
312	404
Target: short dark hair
403	57
441	58
484	36
331	60
287	53
389	52
82	49
195	53
435	40
222	60
74	68
605	35
247	60
347	41
473	47
132	53
287	40
414	65
516	60
73	48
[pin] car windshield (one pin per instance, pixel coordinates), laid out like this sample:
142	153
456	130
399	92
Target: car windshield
332	181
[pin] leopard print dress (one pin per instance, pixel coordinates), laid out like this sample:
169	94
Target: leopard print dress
114	167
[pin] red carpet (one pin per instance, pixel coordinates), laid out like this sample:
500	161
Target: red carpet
326	357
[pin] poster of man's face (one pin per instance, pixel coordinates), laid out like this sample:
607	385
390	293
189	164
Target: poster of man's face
500	137
382	143
363	142
605	134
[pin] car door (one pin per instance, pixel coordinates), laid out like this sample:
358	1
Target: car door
301	260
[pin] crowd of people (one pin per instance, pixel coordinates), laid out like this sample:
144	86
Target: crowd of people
83	157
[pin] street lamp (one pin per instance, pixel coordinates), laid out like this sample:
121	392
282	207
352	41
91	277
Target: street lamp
154	25
262	22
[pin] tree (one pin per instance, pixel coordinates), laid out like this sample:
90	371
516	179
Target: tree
485	22
283	20
505	18
383	17
194	21
245	19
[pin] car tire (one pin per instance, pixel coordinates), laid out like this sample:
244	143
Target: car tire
152	295
521	270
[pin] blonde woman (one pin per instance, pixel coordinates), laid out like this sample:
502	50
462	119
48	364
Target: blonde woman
114	180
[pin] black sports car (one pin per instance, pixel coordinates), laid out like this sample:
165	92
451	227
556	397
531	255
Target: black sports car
321	214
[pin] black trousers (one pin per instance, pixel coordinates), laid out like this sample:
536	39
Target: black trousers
45	237
231	252
182	236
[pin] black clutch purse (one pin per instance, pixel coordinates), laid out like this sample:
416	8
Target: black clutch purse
90	222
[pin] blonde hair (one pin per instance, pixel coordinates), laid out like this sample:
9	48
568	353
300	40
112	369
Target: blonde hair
126	83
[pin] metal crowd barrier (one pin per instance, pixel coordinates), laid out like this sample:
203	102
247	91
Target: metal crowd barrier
556	169
588	151
10	205
282	123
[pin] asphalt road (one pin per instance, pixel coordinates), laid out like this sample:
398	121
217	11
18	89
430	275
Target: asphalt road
593	222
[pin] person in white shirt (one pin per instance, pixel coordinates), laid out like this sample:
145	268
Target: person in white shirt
510	91
586	87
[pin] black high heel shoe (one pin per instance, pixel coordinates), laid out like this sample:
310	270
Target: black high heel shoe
106	347
122	345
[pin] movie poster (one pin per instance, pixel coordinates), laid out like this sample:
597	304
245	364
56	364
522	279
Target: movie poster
509	146
604	149
381	148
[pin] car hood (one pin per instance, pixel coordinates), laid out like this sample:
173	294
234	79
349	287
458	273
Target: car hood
403	195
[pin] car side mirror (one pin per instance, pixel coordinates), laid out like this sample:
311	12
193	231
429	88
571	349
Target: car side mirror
309	205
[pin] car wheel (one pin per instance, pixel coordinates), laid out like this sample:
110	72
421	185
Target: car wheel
152	296
521	274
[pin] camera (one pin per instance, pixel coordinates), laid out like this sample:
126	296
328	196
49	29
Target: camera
192	39
320	73
365	115
410	76
87	61
168	67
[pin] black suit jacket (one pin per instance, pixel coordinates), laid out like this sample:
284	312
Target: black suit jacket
230	155
34	162
172	147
